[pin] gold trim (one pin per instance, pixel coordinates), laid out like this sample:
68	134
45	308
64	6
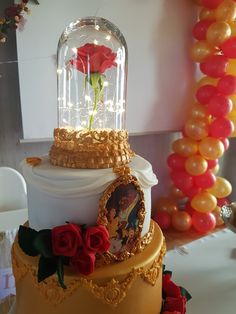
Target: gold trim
112	292
94	149
125	179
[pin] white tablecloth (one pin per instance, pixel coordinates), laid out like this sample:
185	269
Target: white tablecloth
207	269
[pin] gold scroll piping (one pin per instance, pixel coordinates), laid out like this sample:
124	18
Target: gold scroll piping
94	149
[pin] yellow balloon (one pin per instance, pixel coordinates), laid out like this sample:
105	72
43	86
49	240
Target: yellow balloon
207	80
226	11
215	169
217	214
198	111
201	50
185	147
196	165
196	129
207	14
231	67
221	188
218	32
211	148
233	28
204	202
233	119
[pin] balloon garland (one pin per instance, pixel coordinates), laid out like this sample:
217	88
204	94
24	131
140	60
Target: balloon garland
212	120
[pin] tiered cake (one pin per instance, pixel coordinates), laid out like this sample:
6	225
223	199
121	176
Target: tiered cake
90	245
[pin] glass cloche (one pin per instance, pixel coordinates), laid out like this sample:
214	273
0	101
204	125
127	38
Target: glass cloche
92	74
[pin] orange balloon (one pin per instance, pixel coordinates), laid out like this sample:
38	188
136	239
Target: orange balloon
217	214
215	169
176	193
196	129
198	111
196	165
181	221
231	67
226	11
207	80
166	204
201	50
204	202
185	147
211	148
232	25
207	14
233	111
221	188
218	32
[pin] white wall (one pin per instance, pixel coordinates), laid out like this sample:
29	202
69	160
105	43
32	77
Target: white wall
158	34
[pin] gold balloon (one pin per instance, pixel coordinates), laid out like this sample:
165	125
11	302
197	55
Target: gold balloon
221	188
211	148
217	214
232	25
176	193
207	14
166	204
231	67
218	32
233	111
198	111
207	80
196	129
233	119
201	50
226	11
181	221
185	147
204	202
215	169
196	165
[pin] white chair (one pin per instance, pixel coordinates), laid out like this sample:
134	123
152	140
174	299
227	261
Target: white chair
13	199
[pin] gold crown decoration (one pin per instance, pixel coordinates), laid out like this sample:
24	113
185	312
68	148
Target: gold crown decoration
90	149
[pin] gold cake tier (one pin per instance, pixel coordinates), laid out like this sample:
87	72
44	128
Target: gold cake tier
132	286
90	149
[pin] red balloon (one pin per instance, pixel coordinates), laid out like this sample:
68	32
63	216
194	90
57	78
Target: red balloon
200	29
205	93
205	180
227	85
219	106
229	47
176	162
215	66
163	218
212	163
203	222
221	127
182	180
211	4
225	142
191	192
222	201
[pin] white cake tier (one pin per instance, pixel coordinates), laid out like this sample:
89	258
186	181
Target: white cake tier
57	195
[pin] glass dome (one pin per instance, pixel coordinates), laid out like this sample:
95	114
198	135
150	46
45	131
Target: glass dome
92	75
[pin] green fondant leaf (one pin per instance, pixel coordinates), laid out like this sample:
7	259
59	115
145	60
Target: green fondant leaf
47	267
60	272
26	237
185	293
167	272
43	243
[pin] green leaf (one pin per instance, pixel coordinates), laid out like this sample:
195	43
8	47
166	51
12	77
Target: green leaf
185	293
26	237
60	272
47	267
167	272
43	243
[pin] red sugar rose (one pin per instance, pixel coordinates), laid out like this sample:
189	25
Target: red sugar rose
83	262
172	312
96	239
92	58
175	304
169	288
66	240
